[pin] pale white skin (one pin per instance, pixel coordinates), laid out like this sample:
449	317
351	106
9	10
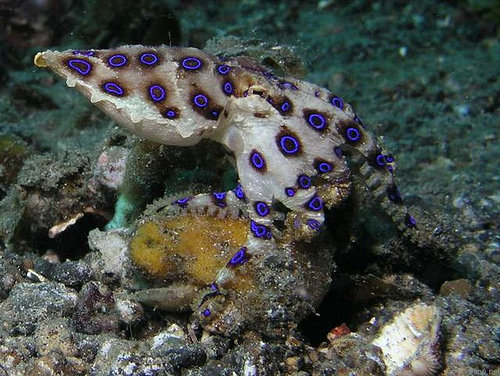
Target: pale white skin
247	116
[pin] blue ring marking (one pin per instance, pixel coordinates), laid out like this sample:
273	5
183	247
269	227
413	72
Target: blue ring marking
238	192
287	85
223	69
182	202
262	208
290	192
191	63
352	134
285	106
148	58
227	87
220	199
239	257
122	60
410	221
304	181
155	96
324	167
286	148
257	160
315	203
389	158
314	224
214	287
170	114
380	160
317	121
113	89
260	231
337	102
200	100
75	64
84	52
206	312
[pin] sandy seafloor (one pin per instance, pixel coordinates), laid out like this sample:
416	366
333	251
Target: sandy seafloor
422	74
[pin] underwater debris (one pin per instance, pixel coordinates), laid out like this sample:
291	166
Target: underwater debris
410	342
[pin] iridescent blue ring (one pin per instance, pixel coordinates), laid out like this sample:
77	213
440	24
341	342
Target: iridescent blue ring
262	208
76	65
200	100
288	85
191	63
317	121
285	106
182	202
380	159
83	52
228	88
337	102
324	167
304	181
171	114
290	192
114	89
289	144
148	58
353	134
239	257
315	203
260	231
117	60
257	160
223	69
314	224
157	93
238	192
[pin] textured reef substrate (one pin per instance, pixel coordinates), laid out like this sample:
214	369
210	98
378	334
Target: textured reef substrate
425	76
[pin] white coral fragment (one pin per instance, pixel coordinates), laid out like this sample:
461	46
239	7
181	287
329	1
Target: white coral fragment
409	343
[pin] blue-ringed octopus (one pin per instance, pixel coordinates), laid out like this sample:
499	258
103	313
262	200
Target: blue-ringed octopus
290	139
